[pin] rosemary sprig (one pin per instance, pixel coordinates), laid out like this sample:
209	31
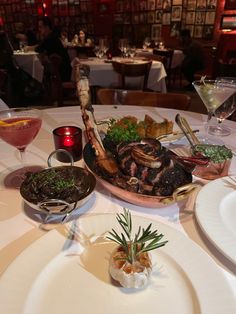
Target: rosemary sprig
144	240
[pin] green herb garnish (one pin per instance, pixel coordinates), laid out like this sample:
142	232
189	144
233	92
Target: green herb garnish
125	132
216	153
144	240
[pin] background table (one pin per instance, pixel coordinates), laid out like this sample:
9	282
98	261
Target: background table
177	59
102	74
30	63
18	230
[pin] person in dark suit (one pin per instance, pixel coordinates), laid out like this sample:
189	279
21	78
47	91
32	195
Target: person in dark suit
51	44
194	59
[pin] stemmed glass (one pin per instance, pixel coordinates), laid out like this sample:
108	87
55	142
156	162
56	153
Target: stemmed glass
213	93
123	46
103	45
146	42
132	52
224	111
19	127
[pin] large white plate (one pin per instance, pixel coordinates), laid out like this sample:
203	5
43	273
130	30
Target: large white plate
216	214
58	275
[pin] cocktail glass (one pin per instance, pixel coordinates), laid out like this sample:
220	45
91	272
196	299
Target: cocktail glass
213	93
225	110
19	127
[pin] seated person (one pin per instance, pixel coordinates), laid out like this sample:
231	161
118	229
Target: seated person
64	38
83	41
194	59
51	44
24	35
6	51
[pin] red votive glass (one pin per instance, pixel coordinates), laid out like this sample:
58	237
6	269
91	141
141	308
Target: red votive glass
70	139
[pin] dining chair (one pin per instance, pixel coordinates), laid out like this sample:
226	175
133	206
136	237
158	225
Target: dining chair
168	53
3	84
56	91
225	69
129	69
106	96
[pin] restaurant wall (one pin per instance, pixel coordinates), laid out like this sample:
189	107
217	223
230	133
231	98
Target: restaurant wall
135	19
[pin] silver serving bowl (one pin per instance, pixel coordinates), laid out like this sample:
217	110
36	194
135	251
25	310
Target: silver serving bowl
36	192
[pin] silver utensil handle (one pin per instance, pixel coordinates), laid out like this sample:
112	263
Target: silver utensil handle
49	161
48	204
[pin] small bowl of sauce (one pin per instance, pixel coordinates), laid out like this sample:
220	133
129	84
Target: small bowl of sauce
220	159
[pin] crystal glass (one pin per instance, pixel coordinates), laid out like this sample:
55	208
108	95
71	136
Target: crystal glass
132	51
225	110
213	93
22	45
146	43
122	45
19	127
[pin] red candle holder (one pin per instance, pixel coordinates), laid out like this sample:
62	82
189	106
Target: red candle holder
70	139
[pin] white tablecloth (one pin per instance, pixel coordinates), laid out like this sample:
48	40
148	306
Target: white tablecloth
3	105
177	59
17	228
30	63
102	74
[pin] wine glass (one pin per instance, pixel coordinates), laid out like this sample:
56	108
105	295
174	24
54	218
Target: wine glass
224	111
146	43
132	51
213	94
123	46
19	127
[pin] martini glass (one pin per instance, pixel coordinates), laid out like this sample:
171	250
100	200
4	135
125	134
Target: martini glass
225	110
213	93
19	127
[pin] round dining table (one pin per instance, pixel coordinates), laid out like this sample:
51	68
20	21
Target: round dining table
29	62
21	228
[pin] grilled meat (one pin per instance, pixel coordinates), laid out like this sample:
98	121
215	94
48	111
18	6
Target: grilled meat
147	168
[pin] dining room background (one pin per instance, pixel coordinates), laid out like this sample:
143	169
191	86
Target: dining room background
134	19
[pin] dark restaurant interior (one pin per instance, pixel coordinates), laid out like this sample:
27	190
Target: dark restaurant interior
211	24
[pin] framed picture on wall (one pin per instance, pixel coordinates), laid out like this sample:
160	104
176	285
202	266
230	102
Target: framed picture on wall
198	31
210	18
201	5
176	13
143	5
175	29
191	5
207	32
230	5
166	5
211	4
158	16
190	17
143	18
166	18
151	17
176	2
200	18
191	29
159	4
151	5
156	31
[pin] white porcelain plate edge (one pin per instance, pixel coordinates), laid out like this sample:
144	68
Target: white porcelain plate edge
211	215
19	281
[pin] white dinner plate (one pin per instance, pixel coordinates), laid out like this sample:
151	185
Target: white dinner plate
216	214
58	275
